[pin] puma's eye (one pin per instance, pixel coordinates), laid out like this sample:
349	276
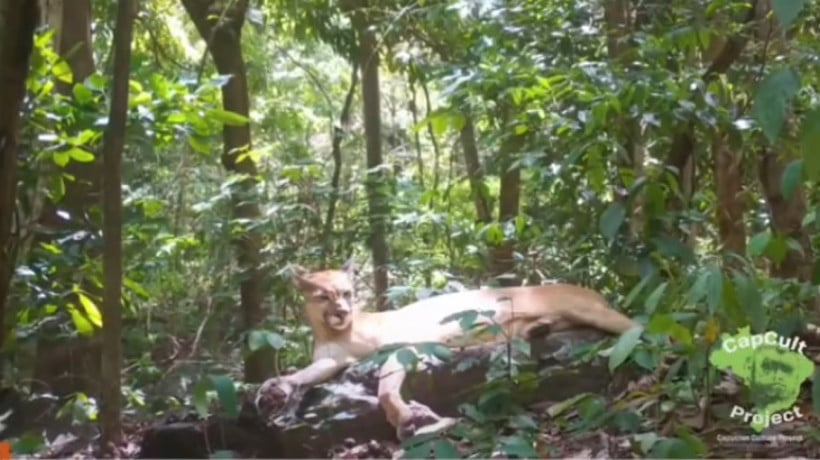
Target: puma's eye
323	297
347	295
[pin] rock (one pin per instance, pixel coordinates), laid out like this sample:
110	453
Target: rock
345	410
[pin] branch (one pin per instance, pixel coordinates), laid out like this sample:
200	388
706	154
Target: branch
338	134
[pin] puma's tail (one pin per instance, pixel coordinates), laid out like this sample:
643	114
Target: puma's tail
602	316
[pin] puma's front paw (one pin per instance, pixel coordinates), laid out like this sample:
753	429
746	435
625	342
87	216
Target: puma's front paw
422	420
273	395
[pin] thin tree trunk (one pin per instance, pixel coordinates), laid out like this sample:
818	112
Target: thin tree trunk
787	212
728	171
223	38
416	136
113	145
681	152
338	136
16	41
475	172
376	181
509	197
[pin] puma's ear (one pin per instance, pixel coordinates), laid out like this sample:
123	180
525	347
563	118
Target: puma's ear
349	267
298	273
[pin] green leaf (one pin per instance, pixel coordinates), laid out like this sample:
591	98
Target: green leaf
714	289
276	341
672	448
787	11
646	440
256	340
792	176
443	448
624	346
136	288
559	408
226	393
27	444
667	325
82	94
91	309
79	155
654	298
226	117
198	144
759	243
83	326
62	71
751	302
611	220
518	446
259	338
809	140
60	159
199	397
407	358
772	101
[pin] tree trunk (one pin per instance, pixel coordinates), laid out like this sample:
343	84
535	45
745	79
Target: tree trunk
681	152
730	207
113	144
221	31
18	24
787	213
509	197
787	217
378	199
475	172
338	136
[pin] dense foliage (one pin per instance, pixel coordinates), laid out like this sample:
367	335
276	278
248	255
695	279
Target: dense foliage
663	153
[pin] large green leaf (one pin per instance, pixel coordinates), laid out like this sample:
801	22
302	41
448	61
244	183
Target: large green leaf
91	310
772	101
792	176
79	155
759	243
226	117
624	346
612	219
225	392
810	144
787	10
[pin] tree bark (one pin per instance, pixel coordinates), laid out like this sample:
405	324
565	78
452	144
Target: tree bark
222	32
787	212
113	145
787	217
18	25
509	197
728	171
681	152
378	199
338	136
475	172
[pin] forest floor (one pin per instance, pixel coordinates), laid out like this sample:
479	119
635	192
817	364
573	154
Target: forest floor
715	433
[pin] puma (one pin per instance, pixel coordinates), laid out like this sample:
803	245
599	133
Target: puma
343	334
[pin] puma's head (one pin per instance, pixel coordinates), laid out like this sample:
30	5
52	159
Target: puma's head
330	295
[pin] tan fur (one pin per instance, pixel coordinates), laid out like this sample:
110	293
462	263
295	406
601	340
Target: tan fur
344	334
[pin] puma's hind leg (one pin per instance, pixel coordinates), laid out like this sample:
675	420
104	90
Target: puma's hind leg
407	418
